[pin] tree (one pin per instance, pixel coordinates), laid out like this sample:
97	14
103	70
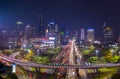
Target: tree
40	59
114	59
29	55
93	60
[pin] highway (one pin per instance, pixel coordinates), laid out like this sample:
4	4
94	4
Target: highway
71	73
82	72
70	56
63	58
36	65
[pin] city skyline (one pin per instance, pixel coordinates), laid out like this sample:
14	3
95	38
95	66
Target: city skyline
69	13
59	39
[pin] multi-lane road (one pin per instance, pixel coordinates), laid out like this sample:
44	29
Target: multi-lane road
81	72
70	56
36	65
72	61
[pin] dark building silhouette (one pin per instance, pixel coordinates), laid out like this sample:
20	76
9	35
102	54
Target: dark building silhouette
28	32
41	29
4	32
107	35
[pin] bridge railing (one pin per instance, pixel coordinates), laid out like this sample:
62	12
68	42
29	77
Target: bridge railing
30	64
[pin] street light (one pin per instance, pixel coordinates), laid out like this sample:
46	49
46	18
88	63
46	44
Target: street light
24	46
112	51
119	52
9	47
97	52
38	51
73	73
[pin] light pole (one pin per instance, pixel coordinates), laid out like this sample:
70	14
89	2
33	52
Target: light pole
112	51
9	47
97	52
38	51
24	46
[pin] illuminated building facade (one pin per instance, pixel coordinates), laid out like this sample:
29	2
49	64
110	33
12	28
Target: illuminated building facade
82	34
28	32
90	35
34	33
20	30
4	33
12	41
52	27
52	31
107	35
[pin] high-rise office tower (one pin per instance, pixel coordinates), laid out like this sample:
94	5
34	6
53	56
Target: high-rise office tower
90	35
107	35
62	34
4	33
34	30
52	32
20	29
76	35
53	27
82	34
41	29
28	32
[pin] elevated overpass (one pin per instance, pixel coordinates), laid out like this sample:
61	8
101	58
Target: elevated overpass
36	65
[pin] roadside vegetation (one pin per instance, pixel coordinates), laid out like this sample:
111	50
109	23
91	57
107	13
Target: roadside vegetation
102	56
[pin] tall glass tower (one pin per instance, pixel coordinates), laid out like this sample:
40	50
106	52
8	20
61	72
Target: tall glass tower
41	29
107	35
90	35
82	34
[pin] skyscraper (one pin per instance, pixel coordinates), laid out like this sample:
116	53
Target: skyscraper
82	34
52	31
20	29
90	35
3	37
53	27
62	34
41	29
34	31
107	35
28	32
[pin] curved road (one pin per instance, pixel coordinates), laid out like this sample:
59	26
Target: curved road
36	65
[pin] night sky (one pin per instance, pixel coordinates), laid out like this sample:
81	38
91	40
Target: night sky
68	13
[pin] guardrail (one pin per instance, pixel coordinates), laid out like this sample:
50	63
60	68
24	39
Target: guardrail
30	64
